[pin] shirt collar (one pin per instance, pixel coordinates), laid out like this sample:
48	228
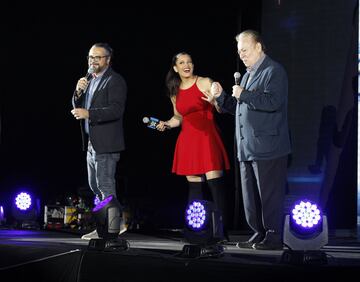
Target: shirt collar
100	74
254	68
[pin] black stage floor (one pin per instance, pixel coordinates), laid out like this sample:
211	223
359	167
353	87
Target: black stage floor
44	255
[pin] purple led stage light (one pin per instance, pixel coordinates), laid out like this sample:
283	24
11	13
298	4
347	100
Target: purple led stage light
96	200
306	215
103	203
23	201
196	216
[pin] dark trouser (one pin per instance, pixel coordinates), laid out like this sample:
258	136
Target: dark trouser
263	187
101	172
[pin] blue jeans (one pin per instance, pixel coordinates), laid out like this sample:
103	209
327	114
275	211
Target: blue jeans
101	172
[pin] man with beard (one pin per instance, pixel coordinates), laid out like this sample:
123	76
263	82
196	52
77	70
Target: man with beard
99	103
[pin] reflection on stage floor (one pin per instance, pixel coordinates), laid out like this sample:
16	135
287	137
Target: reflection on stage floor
63	256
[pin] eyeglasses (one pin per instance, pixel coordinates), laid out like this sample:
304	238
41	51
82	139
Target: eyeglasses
96	58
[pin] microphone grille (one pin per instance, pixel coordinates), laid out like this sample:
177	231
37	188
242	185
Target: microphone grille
237	75
91	70
146	119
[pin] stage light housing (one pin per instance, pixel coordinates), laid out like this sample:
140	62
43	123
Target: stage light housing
25	210
305	233
2	215
305	227
108	217
203	230
203	223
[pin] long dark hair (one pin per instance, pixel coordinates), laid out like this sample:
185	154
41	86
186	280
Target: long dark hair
173	80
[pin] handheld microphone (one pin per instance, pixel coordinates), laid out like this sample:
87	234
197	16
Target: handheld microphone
88	77
237	76
151	122
89	73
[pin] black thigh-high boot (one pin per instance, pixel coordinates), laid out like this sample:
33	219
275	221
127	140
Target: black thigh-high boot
217	189
195	191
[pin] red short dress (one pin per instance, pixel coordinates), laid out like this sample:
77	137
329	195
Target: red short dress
199	148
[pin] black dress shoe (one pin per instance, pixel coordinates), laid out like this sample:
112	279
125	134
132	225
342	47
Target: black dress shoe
272	241
256	238
268	246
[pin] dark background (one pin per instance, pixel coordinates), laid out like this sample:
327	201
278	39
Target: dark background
44	54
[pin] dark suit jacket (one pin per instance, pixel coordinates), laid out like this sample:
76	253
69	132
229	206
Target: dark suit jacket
261	113
105	114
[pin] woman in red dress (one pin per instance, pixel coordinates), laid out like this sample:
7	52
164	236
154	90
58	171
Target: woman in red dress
199	153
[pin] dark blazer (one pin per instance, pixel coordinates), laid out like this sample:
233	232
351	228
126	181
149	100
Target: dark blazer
105	114
261	113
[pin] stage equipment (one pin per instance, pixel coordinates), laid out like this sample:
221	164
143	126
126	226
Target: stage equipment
26	210
305	233
107	215
2	215
96	200
203	230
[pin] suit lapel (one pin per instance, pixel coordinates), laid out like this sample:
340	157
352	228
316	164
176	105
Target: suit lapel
244	81
104	79
257	75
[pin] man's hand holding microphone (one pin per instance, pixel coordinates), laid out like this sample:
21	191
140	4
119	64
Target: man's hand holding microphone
82	84
237	89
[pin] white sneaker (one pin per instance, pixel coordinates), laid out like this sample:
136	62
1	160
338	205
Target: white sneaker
91	235
94	234
123	228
